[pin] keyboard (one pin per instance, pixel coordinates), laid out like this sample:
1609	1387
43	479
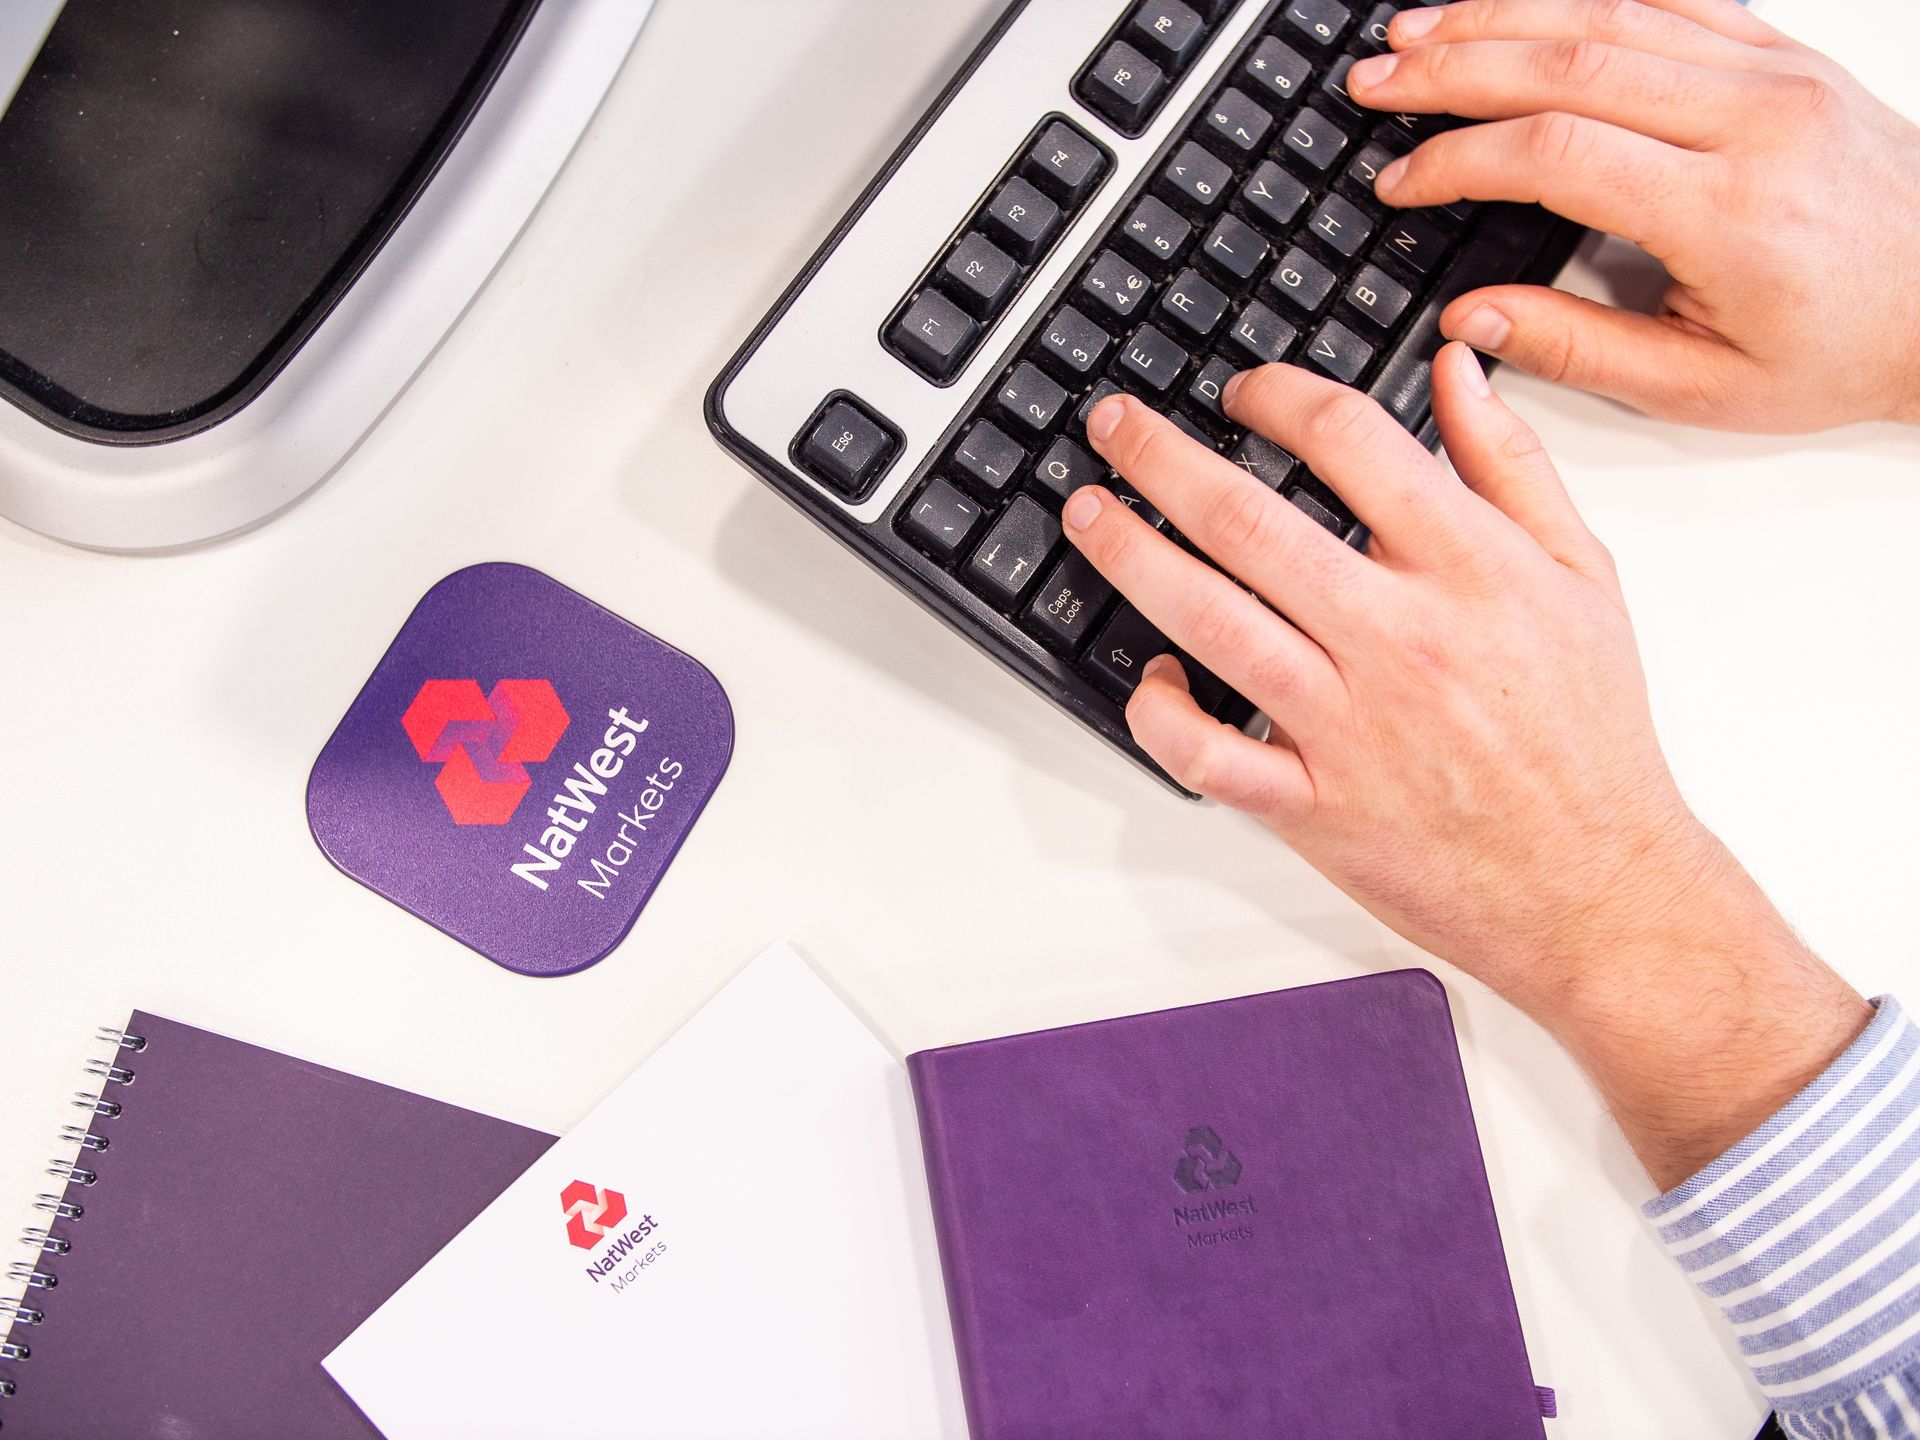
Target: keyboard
1145	197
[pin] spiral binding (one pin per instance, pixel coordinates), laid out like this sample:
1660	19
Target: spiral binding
44	1240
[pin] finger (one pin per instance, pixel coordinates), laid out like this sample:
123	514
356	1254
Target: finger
1502	461
1196	607
1307	574
1599	175
1650	28
1661	365
1210	758
1386	477
1671	100
1730	18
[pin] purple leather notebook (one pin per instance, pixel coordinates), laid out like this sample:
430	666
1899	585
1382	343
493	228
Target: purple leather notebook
247	1211
1262	1217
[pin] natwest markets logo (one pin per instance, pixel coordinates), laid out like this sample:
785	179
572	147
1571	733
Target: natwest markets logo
591	1213
597	1220
483	743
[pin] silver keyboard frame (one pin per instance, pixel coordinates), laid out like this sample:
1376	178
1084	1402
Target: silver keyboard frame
825	337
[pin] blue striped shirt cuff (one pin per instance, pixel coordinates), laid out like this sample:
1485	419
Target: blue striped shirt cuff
1807	1236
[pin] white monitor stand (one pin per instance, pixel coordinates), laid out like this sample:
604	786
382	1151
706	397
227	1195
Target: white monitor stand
297	430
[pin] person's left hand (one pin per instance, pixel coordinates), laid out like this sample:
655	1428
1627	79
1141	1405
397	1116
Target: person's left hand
1462	740
1461	734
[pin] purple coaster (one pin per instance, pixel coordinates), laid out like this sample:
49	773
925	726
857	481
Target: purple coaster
520	768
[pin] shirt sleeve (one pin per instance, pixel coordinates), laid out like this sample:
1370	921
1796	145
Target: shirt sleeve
1807	1236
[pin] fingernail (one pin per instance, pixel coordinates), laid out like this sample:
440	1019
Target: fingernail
1106	417
1160	665
1485	328
1474	373
1232	387
1391	177
1375	70
1083	506
1412	24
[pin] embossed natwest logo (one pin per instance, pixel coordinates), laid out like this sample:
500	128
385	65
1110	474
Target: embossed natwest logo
1207	1165
591	1213
483	743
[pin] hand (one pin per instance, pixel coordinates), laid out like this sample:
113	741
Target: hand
1783	199
1461	736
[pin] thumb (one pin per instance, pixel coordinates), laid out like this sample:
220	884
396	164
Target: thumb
1501	460
1661	365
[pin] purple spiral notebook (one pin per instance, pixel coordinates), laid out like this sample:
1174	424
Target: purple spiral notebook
1261	1217
236	1213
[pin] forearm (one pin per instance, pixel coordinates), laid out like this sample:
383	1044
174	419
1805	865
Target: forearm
1694	1007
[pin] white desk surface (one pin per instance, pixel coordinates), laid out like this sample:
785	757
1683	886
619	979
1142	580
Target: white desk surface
960	859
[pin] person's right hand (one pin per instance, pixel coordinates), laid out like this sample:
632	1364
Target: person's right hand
1783	198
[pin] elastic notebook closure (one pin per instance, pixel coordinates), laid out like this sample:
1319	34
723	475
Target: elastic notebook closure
38	1275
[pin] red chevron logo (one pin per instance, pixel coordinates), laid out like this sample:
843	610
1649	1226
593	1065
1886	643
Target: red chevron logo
591	1213
484	743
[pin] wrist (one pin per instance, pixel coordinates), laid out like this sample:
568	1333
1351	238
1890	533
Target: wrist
1697	1010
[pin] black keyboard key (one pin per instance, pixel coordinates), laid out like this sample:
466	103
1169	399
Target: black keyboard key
1155	230
1315	139
1333	91
933	335
1170	32
1234	248
1502	249
847	449
1066	164
1022	220
1152	361
1371	38
1030	401
1236	124
1190	428
1122	650
1303	500
1068	604
987	458
1101	390
1362	174
1115	286
1122	87
1264	460
1320	21
1414	242
1014	554
1378	298
1212	10
940	520
1141	507
1073	344
1340	226
1406	131
1273	196
1209	381
1260	335
1065	468
1276	72
1339	352
980	275
1303	282
1209	691
1194	304
1197	180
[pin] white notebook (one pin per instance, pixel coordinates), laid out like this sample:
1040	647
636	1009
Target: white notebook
737	1243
